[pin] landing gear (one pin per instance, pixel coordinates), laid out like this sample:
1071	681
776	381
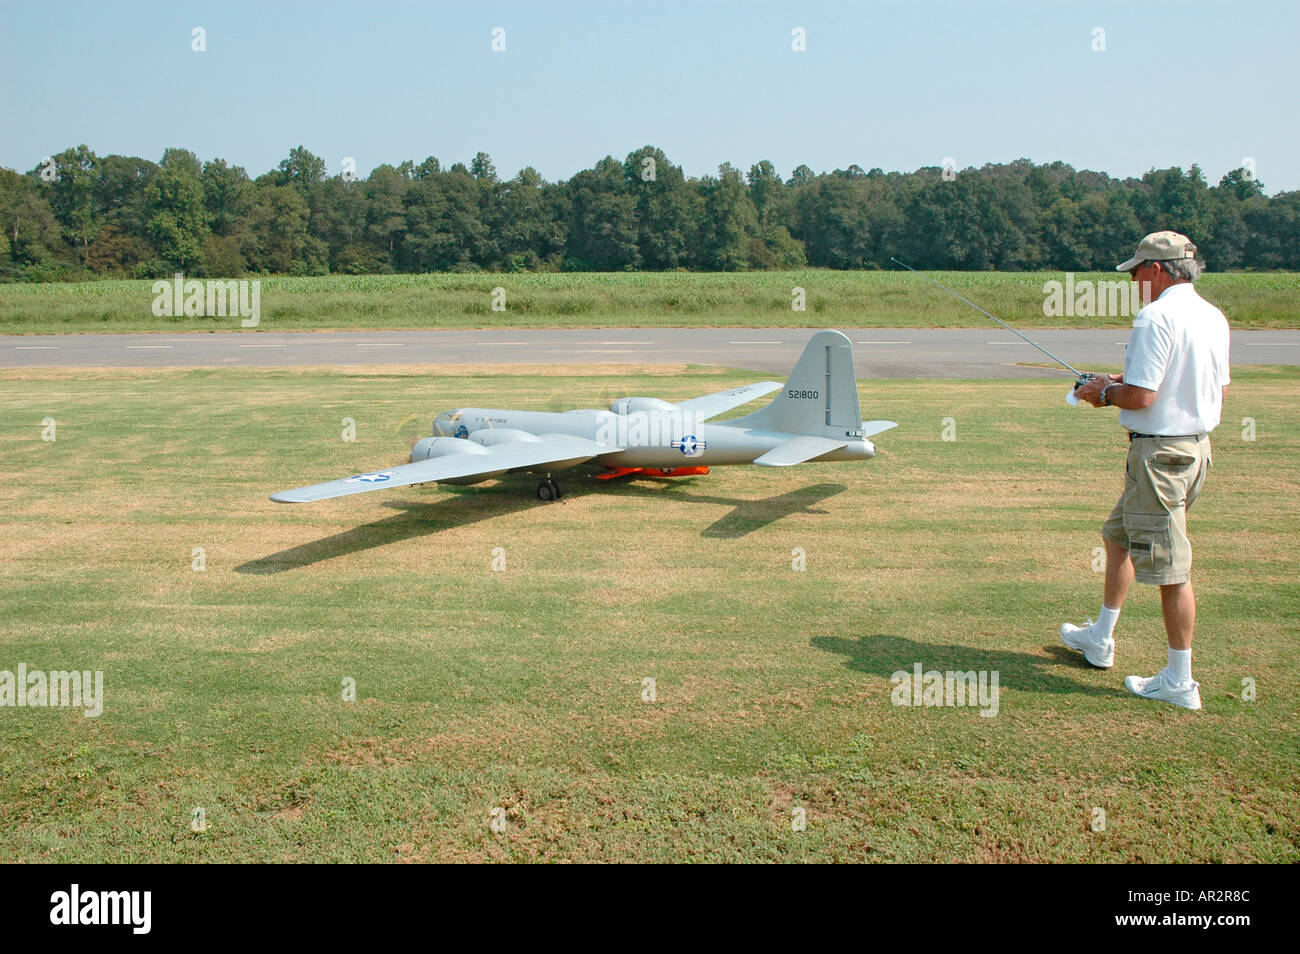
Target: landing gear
549	490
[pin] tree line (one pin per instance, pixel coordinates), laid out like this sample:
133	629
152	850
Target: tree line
78	215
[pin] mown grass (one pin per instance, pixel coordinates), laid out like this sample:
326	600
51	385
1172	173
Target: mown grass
521	690
756	299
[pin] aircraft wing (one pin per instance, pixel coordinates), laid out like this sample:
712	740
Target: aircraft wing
711	405
552	449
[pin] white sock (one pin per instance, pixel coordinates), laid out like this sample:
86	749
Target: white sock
1106	620
1180	666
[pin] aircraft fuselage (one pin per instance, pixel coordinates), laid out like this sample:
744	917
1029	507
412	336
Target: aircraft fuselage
656	438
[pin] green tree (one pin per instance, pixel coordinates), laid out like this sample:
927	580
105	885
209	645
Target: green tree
773	200
32	235
528	232
602	227
729	220
277	234
338	218
1181	201
228	197
120	193
116	252
1239	192
1065	239
445	230
801	176
177	219
766	190
1241	185
482	169
72	196
386	210
664	208
1274	232
846	223
956	224
301	169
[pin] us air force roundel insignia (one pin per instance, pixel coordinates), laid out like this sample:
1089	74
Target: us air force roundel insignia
691	447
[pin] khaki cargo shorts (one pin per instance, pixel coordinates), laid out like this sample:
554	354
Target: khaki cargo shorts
1162	480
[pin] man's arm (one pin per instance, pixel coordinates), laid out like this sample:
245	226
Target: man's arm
1128	397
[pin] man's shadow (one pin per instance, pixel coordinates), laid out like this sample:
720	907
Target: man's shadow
462	506
884	655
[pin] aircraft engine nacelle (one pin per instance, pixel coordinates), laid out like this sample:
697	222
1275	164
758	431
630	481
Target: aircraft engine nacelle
427	448
490	436
628	405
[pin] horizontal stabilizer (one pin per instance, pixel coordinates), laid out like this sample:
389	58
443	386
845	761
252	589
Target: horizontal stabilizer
797	450
875	427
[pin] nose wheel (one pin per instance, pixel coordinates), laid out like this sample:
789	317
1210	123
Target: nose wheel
549	490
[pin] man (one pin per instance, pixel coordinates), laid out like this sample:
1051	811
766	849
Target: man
1170	397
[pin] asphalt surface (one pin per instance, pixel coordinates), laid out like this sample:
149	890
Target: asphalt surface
878	352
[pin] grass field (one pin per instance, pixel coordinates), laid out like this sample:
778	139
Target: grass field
642	299
520	690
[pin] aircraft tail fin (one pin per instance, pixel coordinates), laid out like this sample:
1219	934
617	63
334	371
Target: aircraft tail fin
819	399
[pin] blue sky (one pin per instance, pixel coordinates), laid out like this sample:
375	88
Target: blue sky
892	85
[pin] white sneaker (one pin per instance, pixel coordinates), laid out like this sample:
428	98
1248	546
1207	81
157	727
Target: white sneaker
1098	651
1161	688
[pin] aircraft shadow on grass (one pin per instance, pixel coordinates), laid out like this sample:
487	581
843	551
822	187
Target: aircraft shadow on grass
463	506
883	655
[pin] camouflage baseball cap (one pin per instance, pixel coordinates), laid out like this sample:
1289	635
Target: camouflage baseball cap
1159	247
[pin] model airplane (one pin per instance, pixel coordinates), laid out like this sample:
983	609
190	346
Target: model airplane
815	417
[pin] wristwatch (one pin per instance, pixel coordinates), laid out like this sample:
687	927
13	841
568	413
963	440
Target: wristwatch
1104	399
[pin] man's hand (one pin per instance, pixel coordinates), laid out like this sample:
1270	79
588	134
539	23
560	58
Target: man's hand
1090	391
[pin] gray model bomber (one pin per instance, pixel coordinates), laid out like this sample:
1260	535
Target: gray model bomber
816	417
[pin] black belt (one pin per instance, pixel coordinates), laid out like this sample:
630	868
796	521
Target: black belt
1134	435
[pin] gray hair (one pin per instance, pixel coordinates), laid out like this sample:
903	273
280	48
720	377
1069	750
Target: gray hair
1186	269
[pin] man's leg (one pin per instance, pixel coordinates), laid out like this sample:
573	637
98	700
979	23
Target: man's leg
1119	574
1178	603
1169	476
1174	683
1096	640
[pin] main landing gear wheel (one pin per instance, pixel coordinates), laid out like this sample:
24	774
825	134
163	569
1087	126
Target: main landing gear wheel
549	490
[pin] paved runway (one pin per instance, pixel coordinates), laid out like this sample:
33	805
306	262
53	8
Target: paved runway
878	352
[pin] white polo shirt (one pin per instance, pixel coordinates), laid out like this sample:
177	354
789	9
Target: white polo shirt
1179	349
